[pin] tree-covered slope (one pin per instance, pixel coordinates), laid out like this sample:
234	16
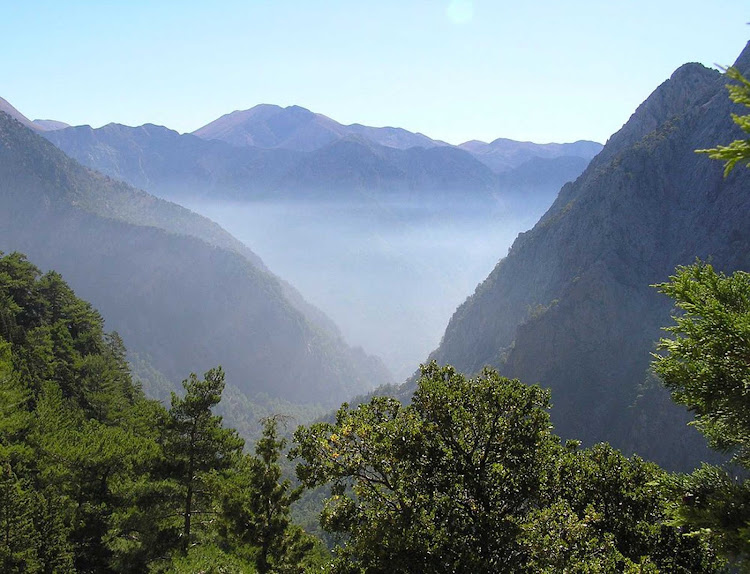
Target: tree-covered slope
189	302
571	306
95	477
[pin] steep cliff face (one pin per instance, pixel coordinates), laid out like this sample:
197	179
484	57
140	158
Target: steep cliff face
571	306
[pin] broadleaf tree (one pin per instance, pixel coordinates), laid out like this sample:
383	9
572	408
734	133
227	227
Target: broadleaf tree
470	478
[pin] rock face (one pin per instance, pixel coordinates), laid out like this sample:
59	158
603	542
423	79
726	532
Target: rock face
177	287
571	306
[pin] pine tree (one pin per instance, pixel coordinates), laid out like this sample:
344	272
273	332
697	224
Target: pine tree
256	505
196	446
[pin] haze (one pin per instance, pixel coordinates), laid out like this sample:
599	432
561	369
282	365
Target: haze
389	274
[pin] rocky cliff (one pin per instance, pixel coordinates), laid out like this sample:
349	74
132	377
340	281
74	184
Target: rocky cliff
571	306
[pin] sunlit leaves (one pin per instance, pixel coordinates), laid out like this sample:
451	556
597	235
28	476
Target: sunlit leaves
739	150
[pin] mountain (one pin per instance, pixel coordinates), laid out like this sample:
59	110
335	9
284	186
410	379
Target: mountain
503	154
49	125
165	162
175	286
169	164
37	125
7	108
296	128
542	172
269	152
353	163
571	306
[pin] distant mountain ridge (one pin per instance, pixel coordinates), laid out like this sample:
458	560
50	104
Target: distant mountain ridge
166	163
6	107
503	155
295	128
177	287
571	306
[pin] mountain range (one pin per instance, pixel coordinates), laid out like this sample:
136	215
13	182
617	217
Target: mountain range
296	128
572	308
178	289
291	153
183	165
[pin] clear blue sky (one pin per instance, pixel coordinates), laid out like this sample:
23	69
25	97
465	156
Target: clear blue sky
551	70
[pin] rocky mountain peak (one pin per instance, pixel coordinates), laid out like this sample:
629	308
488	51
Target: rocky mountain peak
690	85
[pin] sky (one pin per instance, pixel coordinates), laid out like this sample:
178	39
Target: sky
456	70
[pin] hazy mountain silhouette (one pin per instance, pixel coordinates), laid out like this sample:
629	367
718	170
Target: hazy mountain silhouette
176	287
169	164
503	154
296	128
50	125
7	108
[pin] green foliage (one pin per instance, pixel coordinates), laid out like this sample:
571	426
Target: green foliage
94	477
256	508
434	487
706	364
19	539
620	507
208	559
469	478
196	446
739	150
713	504
706	361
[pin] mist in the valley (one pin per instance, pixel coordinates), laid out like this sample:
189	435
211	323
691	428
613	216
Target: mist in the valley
389	272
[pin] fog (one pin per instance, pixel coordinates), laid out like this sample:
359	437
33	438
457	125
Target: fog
389	273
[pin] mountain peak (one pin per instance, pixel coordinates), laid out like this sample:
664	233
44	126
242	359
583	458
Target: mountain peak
690	85
6	107
571	308
131	252
297	128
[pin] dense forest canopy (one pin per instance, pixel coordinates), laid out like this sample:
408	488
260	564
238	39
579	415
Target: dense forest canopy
95	477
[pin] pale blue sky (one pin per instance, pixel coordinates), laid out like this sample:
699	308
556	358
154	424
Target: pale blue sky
552	70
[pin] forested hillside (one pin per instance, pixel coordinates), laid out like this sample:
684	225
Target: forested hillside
571	306
95	477
186	302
